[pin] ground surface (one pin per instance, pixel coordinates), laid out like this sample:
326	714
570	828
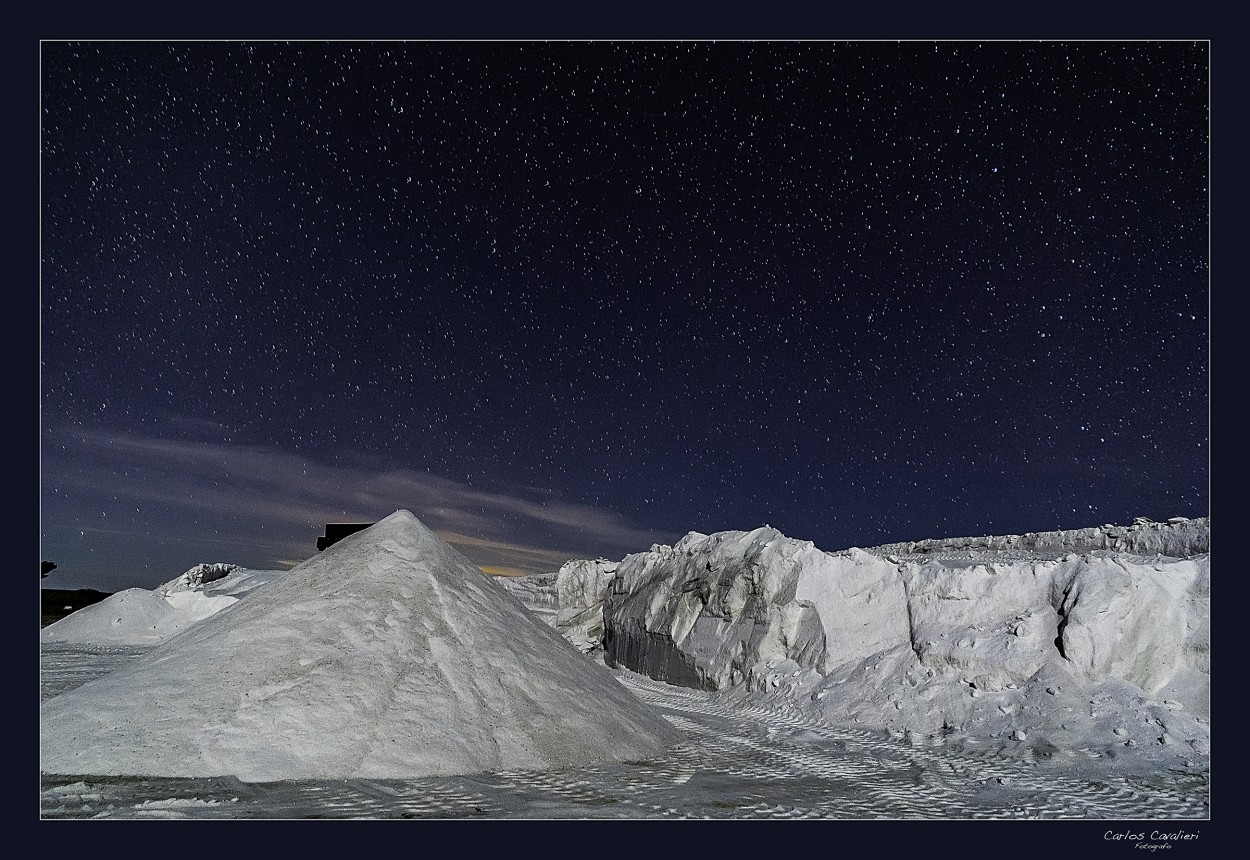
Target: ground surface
736	762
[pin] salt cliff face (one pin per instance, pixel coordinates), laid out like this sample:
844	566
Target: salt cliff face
1146	621
387	656
703	612
938	641
708	610
581	588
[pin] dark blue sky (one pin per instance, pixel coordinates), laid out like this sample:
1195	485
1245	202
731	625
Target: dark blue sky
569	299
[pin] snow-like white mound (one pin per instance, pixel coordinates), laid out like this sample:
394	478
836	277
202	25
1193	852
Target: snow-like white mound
137	616
1100	648
387	656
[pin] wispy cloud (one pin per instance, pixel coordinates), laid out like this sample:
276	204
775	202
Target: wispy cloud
491	553
277	499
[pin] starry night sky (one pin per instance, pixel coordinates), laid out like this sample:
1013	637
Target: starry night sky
570	299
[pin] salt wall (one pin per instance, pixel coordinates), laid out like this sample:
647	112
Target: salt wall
712	609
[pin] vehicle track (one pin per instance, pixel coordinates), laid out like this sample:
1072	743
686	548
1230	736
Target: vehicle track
753	760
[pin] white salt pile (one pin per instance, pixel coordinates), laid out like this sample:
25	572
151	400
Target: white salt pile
137	616
387	656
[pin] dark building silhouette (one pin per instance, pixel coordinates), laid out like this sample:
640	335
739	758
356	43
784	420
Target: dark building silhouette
56	603
335	532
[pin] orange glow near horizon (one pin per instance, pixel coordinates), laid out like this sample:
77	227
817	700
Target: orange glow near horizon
496	570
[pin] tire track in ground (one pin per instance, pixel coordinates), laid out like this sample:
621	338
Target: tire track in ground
922	780
65	667
739	760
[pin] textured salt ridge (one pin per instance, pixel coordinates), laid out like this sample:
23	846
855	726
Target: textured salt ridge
535	590
387	656
978	638
198	577
1179	537
702	612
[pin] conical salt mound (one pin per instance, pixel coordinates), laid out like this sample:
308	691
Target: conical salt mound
387	656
